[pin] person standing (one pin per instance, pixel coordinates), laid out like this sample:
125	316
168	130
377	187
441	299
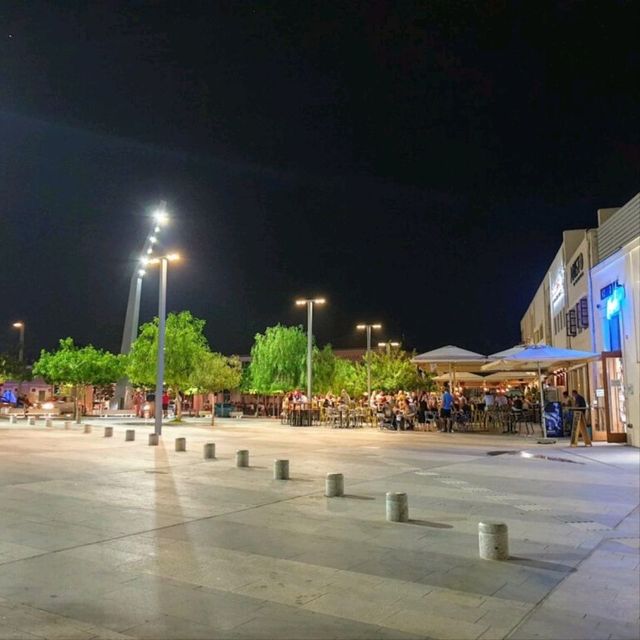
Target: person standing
445	410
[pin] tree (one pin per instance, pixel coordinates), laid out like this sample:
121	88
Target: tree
351	376
278	360
185	346
324	368
79	367
215	372
393	370
13	369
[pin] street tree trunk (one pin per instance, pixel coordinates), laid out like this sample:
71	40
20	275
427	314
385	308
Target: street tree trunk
212	400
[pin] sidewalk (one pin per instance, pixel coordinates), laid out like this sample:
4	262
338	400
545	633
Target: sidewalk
102	538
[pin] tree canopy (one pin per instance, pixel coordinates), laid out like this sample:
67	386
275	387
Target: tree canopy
278	358
79	366
185	347
393	370
215	372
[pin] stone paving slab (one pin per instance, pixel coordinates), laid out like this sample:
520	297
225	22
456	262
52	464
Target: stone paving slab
114	539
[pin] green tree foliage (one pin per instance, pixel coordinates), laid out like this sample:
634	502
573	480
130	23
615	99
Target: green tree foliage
79	367
185	348
351	376
278	359
12	369
215	372
393	370
324	369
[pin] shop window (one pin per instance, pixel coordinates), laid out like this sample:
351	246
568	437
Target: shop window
612	333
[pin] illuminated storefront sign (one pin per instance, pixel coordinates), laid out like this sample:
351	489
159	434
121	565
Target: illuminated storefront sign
614	301
557	288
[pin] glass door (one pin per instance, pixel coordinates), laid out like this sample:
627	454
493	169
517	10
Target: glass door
615	401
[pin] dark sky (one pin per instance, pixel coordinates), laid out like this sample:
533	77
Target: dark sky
414	162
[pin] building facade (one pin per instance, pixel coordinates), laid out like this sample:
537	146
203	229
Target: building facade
589	300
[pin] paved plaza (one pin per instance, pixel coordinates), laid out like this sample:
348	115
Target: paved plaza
103	538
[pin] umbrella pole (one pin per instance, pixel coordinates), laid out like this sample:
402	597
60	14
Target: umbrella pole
542	423
450	379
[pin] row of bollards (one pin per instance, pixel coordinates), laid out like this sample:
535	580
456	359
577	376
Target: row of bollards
493	537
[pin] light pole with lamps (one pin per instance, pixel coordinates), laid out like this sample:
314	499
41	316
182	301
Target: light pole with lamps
20	327
310	302
368	328
160	219
388	345
163	261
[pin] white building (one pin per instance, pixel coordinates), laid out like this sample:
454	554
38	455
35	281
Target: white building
588	300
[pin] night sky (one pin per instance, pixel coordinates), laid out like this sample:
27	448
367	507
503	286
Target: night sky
414	162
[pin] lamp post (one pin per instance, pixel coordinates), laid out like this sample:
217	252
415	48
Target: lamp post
159	219
163	261
20	327
368	328
388	345
309	302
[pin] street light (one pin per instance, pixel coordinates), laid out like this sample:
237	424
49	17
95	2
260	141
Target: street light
388	345
309	302
160	218
368	328
20	327
163	261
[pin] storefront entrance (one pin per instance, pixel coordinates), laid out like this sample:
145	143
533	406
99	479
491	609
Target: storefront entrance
612	413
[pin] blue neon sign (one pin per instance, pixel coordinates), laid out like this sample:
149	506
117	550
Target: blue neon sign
614	301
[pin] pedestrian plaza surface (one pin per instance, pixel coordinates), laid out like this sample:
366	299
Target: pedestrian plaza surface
102	538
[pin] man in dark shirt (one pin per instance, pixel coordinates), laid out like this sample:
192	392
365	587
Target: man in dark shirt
578	400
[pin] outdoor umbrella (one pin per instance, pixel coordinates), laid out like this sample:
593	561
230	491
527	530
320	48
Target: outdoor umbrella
507	376
536	356
450	359
465	376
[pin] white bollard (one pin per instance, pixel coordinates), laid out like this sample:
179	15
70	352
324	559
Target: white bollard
12	419
32	422
334	485
493	540
154	439
209	451
129	435
108	432
48	423
242	458
87	428
397	507
181	444
280	469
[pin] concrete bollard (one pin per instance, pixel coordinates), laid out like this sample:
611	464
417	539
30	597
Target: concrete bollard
242	458
181	444
397	507
493	540
12	419
87	428
129	435
280	469
209	450
48	423
154	439
334	485
108	432
32	422
67	424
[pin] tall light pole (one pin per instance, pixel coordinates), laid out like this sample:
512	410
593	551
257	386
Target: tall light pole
389	345
160	218
20	327
368	328
310	302
163	261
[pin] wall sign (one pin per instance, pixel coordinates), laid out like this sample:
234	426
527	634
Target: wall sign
577	269
557	287
605	292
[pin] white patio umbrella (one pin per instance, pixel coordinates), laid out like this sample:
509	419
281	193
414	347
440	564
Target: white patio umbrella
463	376
506	376
451	358
537	356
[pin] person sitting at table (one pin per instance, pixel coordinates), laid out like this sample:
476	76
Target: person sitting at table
489	400
345	398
